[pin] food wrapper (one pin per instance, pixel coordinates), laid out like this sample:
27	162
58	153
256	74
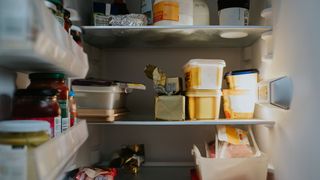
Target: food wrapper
162	84
170	108
96	174
120	20
130	157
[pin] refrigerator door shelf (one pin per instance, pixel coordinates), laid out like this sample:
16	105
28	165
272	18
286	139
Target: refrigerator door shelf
54	158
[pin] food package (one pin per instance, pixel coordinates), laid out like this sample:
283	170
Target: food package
130	157
233	143
96	174
162	84
170	107
120	20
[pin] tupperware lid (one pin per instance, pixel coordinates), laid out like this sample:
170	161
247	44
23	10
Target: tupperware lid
207	62
203	93
46	76
241	72
36	92
24	126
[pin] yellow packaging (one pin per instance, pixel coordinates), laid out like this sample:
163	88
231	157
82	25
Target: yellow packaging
203	74
170	108
233	135
166	10
238	104
203	104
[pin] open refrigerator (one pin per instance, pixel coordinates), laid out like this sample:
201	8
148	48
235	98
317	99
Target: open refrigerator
285	47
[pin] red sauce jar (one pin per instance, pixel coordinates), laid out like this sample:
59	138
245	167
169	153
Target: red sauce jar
54	81
38	104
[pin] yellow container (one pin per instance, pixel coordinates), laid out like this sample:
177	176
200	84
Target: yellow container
203	104
201	74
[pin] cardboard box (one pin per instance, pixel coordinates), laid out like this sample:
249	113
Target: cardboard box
170	108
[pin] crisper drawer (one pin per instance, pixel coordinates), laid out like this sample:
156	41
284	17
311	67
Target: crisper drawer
251	168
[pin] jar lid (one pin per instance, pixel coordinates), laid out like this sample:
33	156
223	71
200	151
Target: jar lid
36	92
24	126
46	76
241	72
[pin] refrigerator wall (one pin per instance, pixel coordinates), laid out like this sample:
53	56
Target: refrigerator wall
292	144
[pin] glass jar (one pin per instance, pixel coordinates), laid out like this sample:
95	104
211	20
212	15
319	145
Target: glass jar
17	139
38	104
54	81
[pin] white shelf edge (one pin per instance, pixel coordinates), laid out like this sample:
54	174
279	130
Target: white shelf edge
51	159
176	27
190	123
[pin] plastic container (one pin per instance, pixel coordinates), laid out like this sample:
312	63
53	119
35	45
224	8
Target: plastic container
242	79
172	12
204	74
95	97
38	104
252	168
203	104
238	104
28	133
54	81
233	13
201	14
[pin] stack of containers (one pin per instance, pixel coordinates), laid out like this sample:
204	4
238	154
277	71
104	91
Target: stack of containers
239	100
203	83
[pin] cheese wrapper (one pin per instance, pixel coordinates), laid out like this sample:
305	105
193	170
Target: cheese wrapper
233	135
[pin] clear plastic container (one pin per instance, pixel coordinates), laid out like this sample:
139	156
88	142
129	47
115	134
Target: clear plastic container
243	79
204	74
203	104
201	14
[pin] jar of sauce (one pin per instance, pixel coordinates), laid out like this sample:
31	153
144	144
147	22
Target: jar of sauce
54	81
38	104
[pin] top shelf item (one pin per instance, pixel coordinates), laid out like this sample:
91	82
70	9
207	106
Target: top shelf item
32	40
170	36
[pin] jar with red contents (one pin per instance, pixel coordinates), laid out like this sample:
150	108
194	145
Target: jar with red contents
54	81
38	104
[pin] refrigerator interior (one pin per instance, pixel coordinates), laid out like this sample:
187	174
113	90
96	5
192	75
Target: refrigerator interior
291	145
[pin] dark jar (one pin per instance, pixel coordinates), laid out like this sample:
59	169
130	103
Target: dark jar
38	104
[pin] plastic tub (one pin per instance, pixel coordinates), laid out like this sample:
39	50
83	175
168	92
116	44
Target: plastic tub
203	104
242	79
238	104
204	74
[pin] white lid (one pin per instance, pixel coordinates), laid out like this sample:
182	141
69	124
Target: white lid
206	62
50	5
24	126
76	28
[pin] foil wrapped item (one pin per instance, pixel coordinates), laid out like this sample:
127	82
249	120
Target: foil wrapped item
128	20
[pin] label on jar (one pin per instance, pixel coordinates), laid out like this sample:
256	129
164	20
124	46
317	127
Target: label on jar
166	10
234	16
65	115
13	162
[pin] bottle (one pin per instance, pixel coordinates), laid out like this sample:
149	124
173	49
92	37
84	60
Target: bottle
173	12
72	109
201	13
119	7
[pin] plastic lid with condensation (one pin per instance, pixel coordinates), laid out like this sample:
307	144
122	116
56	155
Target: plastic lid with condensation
206	62
24	126
203	93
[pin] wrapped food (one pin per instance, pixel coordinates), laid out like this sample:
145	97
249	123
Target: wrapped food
96	174
130	157
120	20
233	143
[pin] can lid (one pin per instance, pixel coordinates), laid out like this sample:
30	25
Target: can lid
241	72
36	92
209	62
46	76
24	126
203	93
